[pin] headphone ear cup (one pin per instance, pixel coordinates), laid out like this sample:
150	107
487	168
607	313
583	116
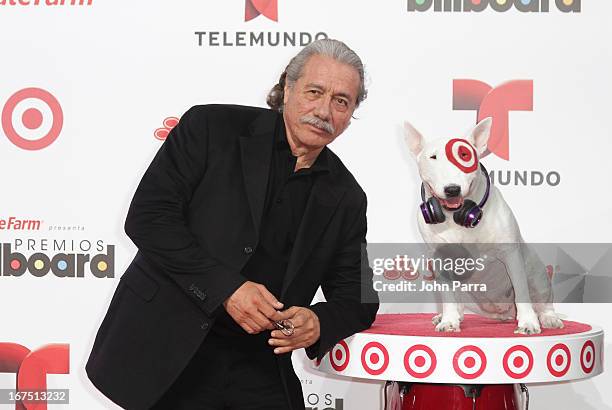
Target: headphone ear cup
436	210
469	215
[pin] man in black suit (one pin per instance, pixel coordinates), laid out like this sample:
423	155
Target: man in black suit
243	213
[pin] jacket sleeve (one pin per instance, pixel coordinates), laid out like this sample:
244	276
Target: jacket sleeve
343	313
156	220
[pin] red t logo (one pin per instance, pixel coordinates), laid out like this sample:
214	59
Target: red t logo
32	367
515	95
254	8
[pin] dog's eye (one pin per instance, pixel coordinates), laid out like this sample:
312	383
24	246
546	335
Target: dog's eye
433	156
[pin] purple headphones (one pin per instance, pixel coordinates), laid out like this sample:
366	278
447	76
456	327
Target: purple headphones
467	216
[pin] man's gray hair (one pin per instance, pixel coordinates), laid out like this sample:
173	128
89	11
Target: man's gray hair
325	47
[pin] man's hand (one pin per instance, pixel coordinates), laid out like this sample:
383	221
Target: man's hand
253	307
307	330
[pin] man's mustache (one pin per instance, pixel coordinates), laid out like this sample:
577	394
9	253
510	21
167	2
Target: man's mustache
319	123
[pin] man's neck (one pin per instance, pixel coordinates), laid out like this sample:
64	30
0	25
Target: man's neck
306	156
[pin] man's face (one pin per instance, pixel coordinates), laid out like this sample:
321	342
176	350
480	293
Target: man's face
318	107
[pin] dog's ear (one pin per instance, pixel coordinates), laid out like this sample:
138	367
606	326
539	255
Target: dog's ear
479	135
413	138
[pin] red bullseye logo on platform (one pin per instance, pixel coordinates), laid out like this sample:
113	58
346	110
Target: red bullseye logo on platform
469	362
339	356
374	358
587	357
558	360
254	8
32	119
420	361
518	361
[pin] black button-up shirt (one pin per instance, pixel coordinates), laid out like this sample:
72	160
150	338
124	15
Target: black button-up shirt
287	195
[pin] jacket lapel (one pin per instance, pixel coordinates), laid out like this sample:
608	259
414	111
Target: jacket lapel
255	153
322	204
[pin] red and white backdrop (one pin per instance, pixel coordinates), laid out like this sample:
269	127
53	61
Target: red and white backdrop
89	91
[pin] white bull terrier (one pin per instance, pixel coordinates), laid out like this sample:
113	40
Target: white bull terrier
453	183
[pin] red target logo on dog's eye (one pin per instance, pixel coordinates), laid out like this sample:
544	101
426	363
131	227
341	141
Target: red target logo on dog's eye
462	154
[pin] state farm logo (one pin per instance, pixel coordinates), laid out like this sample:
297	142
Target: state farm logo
53	3
15	224
32	118
524	6
167	125
497	102
31	368
254	8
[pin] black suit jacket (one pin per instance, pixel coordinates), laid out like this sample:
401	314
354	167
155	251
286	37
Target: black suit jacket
195	218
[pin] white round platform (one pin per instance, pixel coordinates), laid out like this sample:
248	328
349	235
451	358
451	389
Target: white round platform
388	352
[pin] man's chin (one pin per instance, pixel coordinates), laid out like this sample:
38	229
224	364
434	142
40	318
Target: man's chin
315	140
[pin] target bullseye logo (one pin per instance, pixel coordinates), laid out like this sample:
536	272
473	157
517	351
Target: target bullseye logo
374	358
558	360
420	361
518	361
587	357
469	362
462	154
32	118
339	356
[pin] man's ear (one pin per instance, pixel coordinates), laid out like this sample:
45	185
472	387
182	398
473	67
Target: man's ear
286	92
479	135
413	138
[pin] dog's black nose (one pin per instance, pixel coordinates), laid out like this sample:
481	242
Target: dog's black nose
452	191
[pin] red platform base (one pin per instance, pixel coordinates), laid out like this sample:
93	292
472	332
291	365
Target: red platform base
420	396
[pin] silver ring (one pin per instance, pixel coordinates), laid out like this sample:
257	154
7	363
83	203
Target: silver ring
285	326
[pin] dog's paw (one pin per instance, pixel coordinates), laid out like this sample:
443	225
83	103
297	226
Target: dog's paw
550	320
528	327
436	319
448	326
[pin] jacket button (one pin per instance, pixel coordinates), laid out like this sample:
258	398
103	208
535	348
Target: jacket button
248	250
204	326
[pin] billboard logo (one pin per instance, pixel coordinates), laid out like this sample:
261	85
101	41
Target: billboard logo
524	6
65	264
32	367
32	118
254	8
495	102
318	401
